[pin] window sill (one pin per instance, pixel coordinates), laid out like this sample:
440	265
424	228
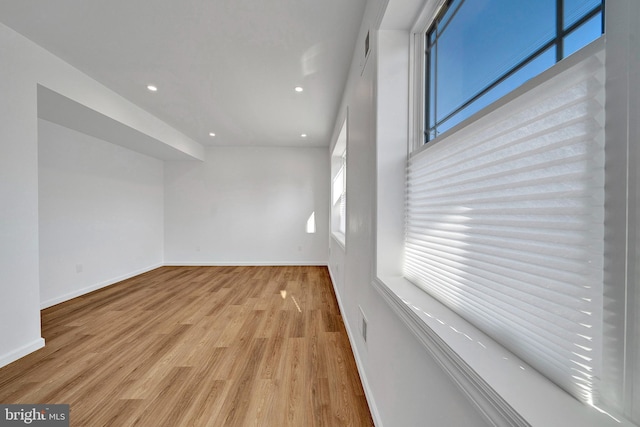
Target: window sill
502	387
340	238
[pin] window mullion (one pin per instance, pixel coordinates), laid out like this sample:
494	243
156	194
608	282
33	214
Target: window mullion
559	30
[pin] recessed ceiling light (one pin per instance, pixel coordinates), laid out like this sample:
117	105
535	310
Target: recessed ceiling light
299	89
304	135
212	134
152	88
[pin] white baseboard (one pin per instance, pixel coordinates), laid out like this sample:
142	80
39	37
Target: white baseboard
16	354
356	354
82	291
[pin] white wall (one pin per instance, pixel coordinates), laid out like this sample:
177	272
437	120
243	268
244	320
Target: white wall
24	65
100	213
19	292
246	205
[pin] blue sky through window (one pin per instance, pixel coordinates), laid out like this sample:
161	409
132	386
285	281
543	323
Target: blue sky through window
478	42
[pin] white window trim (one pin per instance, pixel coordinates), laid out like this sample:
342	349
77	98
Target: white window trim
339	238
484	370
487	377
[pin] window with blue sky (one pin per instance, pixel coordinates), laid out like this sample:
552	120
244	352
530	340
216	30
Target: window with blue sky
479	50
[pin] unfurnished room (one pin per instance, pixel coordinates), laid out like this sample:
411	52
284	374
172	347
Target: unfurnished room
392	213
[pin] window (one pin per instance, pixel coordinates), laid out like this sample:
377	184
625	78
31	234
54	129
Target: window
339	195
477	51
339	186
505	216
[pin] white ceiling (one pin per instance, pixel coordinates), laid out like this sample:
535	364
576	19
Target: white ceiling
223	66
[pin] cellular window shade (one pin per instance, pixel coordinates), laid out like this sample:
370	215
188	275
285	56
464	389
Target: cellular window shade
504	224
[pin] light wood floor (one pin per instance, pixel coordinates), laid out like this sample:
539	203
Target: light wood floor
197	346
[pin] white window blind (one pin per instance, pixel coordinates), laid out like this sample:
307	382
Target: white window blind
504	224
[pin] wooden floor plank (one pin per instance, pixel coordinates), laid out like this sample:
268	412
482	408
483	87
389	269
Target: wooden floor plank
197	346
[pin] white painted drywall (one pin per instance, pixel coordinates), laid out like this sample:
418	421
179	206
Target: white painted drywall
24	65
246	205
19	293
100	213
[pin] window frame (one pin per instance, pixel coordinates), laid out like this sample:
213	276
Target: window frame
488	377
338	204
